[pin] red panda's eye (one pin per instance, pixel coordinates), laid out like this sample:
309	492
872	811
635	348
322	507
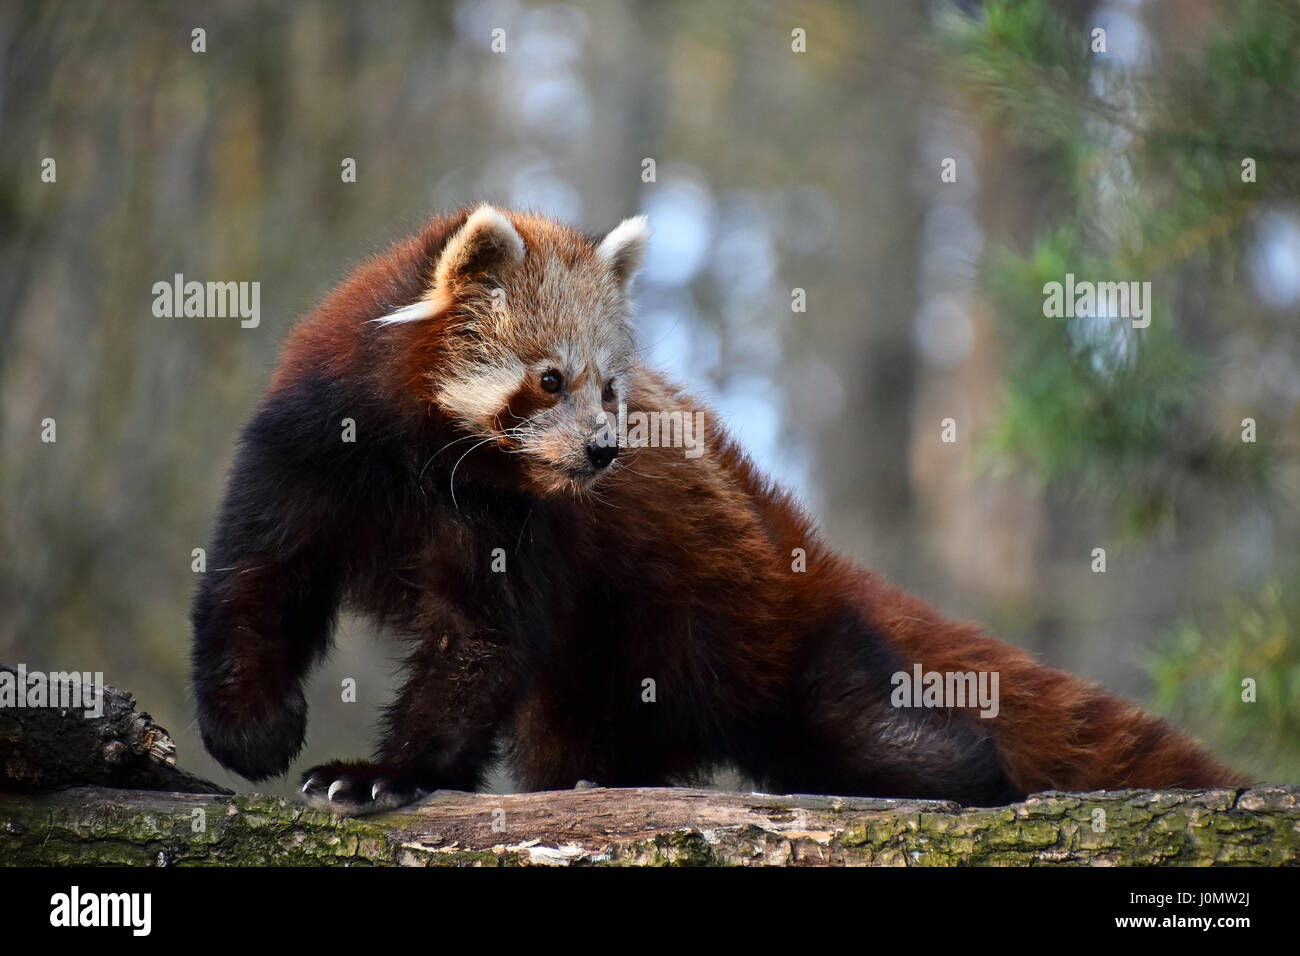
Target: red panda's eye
552	380
608	394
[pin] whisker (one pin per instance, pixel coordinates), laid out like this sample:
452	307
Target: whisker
630	469
452	481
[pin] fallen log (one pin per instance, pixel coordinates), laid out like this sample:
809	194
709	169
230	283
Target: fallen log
100	739
654	827
142	809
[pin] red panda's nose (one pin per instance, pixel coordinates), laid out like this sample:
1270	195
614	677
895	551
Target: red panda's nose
600	454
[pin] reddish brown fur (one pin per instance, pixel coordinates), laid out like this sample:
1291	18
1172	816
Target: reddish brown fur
1055	731
671	567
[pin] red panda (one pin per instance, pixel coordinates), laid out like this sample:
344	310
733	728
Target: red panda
596	611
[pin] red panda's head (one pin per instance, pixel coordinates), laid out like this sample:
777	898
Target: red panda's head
533	345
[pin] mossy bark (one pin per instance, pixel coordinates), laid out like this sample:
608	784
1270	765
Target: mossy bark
650	827
42	749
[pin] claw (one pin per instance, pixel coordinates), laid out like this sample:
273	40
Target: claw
335	787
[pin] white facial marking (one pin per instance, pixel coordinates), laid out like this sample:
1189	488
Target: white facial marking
479	392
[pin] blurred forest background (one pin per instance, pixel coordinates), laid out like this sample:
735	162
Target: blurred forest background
818	170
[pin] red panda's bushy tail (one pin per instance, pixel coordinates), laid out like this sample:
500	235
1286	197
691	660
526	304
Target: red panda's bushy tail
1054	731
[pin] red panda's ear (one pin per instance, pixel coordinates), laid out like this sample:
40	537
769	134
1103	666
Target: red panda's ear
487	243
623	250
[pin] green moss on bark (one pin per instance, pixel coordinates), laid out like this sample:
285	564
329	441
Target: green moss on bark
654	828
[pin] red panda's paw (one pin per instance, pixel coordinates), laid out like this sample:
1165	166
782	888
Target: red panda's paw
255	742
358	787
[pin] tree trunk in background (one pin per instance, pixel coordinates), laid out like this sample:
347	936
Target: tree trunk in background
861	331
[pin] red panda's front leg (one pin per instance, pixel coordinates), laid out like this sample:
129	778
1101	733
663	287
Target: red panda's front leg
440	731
258	627
266	605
